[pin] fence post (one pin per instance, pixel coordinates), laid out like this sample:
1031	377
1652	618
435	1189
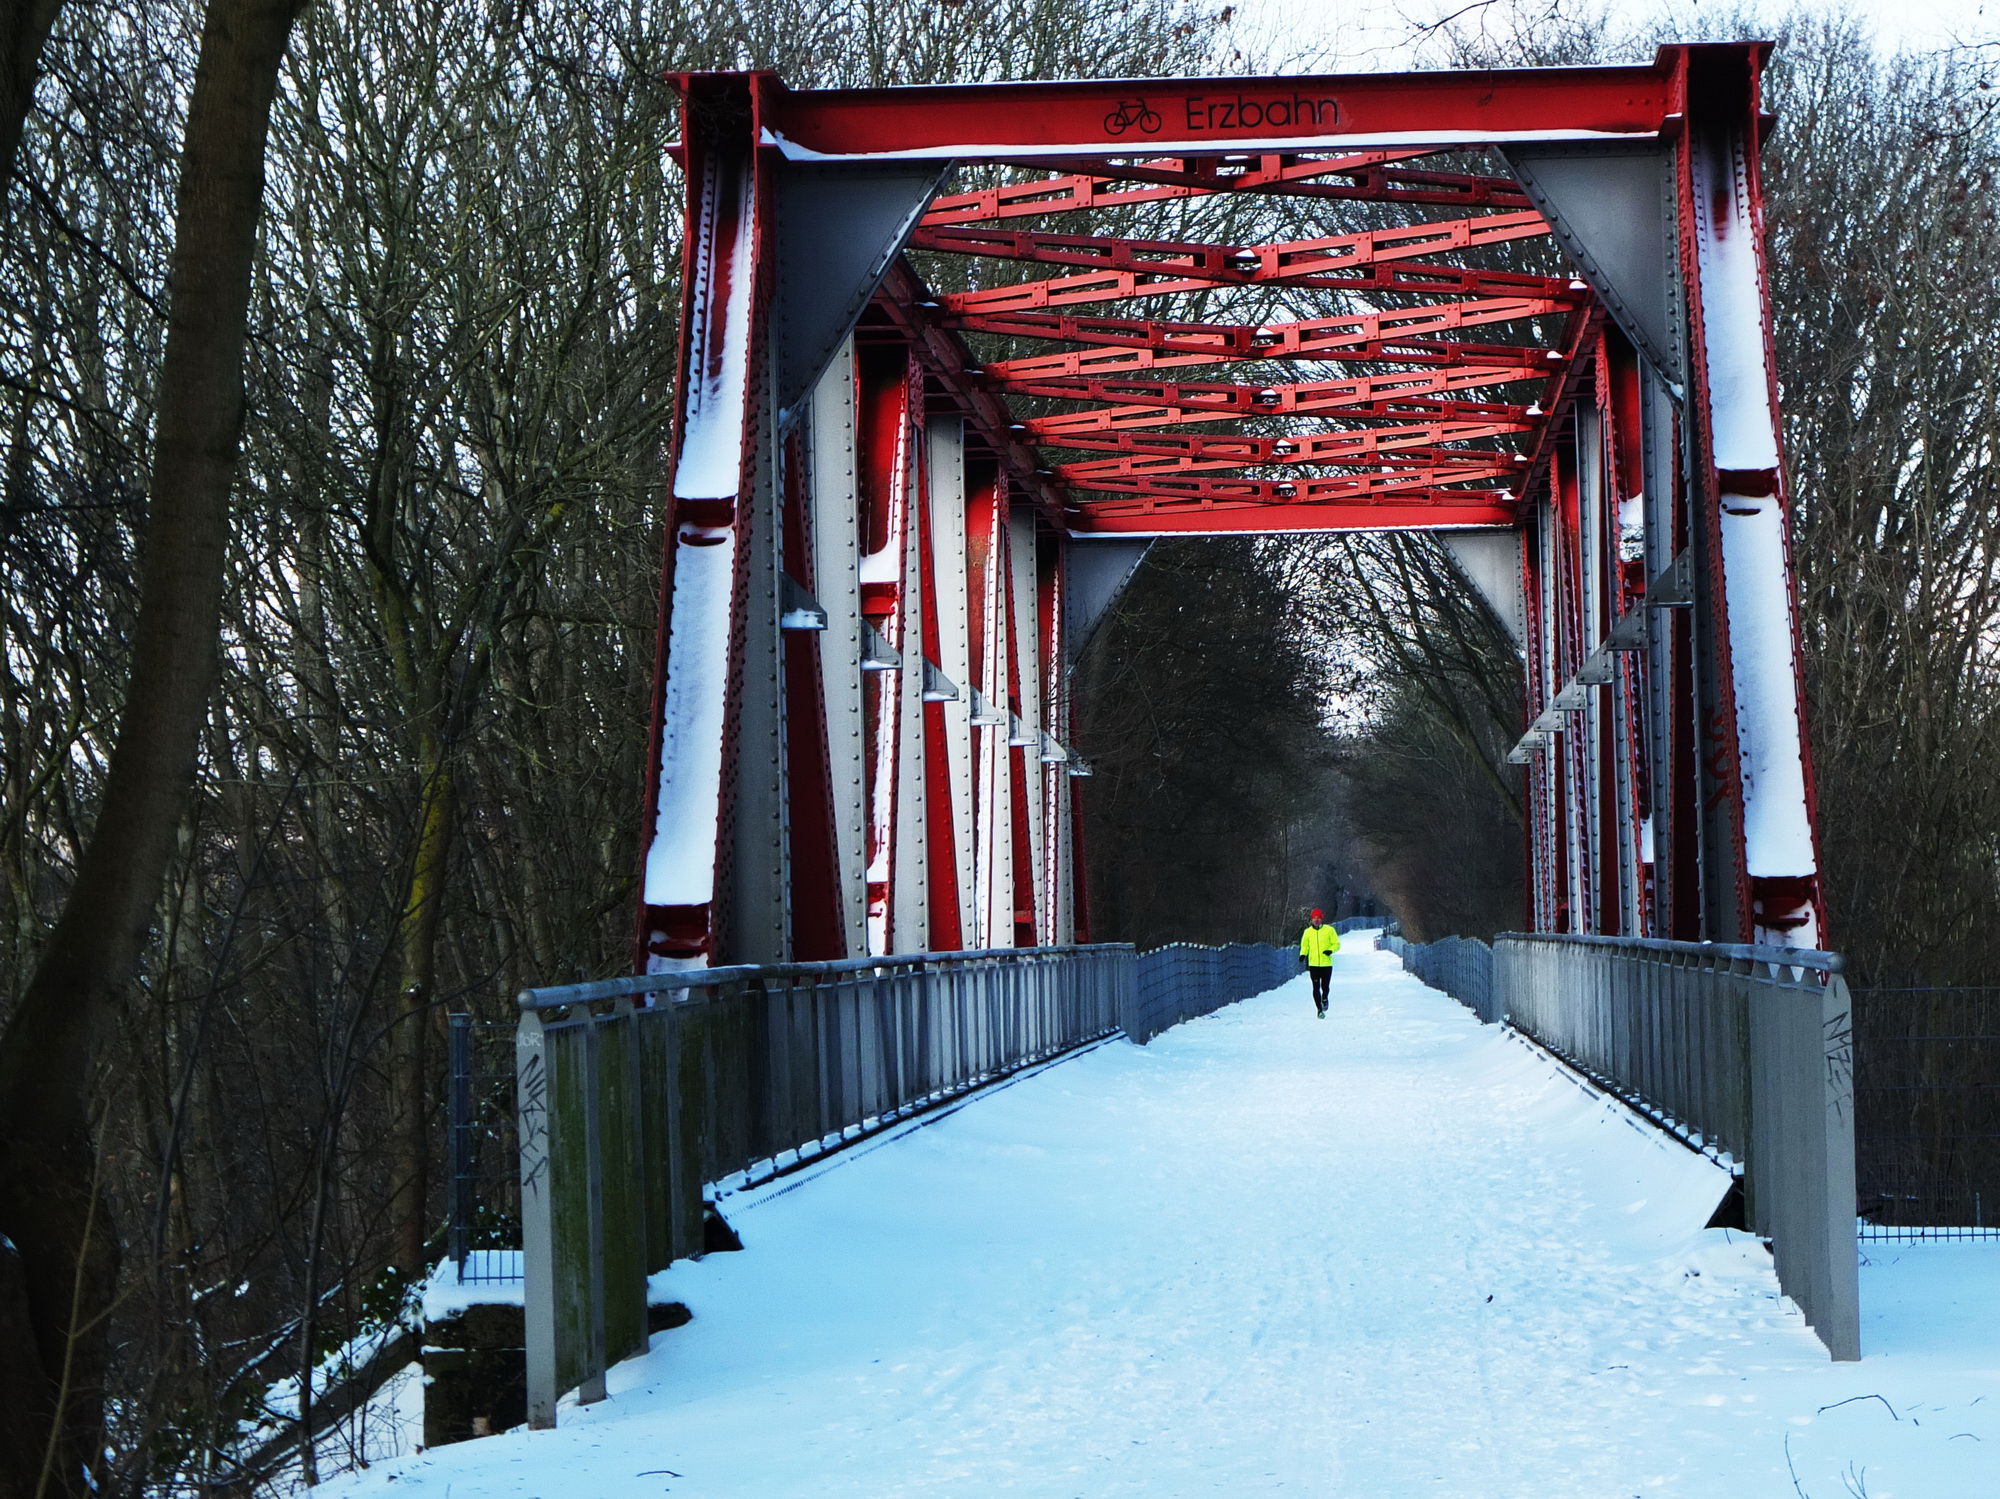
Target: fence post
1799	1175
458	1232
538	1299
591	1389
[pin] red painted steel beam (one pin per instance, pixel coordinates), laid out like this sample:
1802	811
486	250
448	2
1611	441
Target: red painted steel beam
818	924
1412	486
945	358
1091	185
1405	393
1567	369
1196	115
946	931
696	697
1371	176
1440	465
1132	344
1263	521
1356	445
1405	279
1134	267
884	442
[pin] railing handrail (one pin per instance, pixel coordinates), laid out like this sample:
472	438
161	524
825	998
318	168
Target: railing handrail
636	1094
1202	946
562	996
1737	1049
1727	952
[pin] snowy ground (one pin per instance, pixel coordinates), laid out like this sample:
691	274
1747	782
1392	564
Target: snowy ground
1387	1254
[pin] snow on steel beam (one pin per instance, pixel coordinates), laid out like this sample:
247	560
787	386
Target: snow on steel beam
1740	483
1162	116
723	283
1104	184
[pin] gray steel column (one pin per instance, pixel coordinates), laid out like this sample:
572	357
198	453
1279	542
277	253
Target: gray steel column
757	924
1658	706
1594	722
837	587
1022	558
946	441
909	896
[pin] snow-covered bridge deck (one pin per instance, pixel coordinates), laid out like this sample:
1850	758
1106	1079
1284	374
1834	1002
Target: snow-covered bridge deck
1389	1253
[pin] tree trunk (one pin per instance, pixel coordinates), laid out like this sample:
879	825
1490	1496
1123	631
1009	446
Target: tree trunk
24	29
56	1292
409	1050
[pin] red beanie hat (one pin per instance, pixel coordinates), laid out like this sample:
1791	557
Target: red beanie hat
1317	913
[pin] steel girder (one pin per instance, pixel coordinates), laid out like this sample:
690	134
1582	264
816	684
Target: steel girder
1525	305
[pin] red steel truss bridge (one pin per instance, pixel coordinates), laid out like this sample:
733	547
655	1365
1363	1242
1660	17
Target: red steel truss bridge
952	357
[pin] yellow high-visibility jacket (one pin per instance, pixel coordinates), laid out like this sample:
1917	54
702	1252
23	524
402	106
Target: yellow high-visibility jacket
1318	946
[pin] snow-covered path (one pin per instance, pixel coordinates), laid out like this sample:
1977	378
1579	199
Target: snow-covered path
1391	1253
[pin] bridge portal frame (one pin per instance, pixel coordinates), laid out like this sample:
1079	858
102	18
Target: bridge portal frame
875	578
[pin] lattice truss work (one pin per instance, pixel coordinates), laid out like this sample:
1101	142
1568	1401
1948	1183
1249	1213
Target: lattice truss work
952	357
1371	378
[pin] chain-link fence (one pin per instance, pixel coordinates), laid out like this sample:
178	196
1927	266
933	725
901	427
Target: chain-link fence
1927	1112
483	1153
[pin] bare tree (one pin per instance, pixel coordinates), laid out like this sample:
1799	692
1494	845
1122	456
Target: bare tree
60	1264
24	30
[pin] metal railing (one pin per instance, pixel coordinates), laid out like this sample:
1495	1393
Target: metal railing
1744	1051
1927	1112
636	1094
482	1155
1461	966
1185	979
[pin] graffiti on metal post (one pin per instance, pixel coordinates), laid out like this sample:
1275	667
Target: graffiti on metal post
534	1122
1839	1035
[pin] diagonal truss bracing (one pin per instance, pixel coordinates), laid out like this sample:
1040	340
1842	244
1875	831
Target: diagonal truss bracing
1400	300
952	356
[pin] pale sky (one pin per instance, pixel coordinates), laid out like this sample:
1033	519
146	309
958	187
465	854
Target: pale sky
1374	34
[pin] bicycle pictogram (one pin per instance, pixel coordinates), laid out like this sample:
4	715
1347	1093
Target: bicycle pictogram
1129	113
